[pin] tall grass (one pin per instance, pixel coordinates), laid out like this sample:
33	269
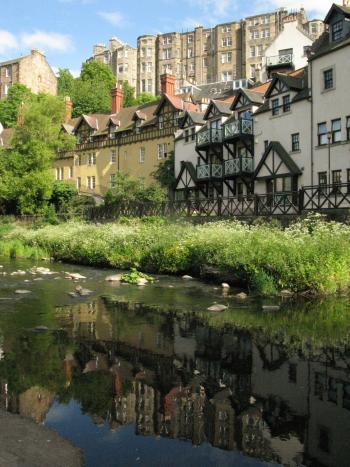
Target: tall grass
310	255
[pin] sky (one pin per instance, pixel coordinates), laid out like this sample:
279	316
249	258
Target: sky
66	30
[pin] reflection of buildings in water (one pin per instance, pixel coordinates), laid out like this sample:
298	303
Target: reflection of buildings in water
221	421
145	407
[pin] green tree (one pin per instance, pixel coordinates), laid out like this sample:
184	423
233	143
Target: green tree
144	98
165	173
62	195
26	181
129	94
65	82
129	188
18	95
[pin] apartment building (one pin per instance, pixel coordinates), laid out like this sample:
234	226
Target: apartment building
31	70
146	64
121	57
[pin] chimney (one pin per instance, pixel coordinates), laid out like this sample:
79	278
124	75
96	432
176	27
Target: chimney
117	98
167	84
69	108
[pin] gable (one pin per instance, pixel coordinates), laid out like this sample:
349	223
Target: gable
187	177
278	88
276	162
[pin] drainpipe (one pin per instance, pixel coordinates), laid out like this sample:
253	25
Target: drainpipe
312	125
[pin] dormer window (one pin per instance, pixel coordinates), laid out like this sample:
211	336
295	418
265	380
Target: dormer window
161	122
337	30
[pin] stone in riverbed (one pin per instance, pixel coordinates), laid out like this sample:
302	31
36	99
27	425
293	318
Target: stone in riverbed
18	273
187	278
142	281
22	292
217	308
225	285
286	293
241	296
41	329
83	292
75	276
114	278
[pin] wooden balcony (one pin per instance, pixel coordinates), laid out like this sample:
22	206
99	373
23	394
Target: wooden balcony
209	171
239	166
208	137
238	129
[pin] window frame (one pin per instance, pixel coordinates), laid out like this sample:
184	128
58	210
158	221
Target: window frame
336	132
286	103
320	135
275	108
328	82
348	128
142	155
337	34
295	142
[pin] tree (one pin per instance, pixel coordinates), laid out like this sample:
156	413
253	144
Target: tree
127	188
18	95
62	195
129	94
65	82
165	173
144	98
26	181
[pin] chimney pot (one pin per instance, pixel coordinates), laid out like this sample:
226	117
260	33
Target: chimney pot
69	108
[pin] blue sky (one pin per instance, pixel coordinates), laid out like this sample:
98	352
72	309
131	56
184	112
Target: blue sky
67	29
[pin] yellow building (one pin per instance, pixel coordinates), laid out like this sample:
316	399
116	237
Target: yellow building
132	140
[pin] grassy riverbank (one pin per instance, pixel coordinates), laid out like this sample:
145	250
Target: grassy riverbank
311	255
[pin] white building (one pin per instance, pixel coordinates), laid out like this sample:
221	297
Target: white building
289	49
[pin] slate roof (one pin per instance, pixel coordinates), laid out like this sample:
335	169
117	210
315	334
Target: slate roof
323	46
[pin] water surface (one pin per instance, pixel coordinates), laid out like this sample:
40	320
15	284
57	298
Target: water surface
147	377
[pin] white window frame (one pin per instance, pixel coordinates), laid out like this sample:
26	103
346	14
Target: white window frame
142	154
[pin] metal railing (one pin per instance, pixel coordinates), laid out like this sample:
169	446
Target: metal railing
239	165
275	60
243	126
209	136
207	171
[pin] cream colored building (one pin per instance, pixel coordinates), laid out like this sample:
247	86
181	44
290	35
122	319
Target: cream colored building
31	70
146	64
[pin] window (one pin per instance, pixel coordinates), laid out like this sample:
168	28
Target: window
226	57
91	183
252	71
256	35
190	39
162	151
57	173
286	184
166	54
336	130
71	171
322	180
78	183
78	160
193	133
142	156
306	50
260	50
92	159
226	76
112	181
167	40
161	122
286	103
336	180
240	189
266	144
114	157
314	28
337	30
62	173
189	53
149	85
322	134
205	62
226	28
295	142
226	41
275	107
292	373
149	52
187	136
348	128
328	82
252	51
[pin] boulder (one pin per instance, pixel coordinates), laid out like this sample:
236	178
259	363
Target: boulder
83	292
142	281
217	308
18	273
187	278
22	292
225	285
114	278
241	296
286	293
75	276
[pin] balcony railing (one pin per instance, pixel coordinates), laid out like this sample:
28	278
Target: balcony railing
208	137
239	166
276	60
206	171
241	127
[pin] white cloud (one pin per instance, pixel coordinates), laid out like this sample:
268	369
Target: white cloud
113	17
8	42
74	73
47	41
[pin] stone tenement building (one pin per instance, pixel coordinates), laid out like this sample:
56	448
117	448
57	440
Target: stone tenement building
225	52
31	70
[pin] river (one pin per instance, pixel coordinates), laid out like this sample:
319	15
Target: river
145	376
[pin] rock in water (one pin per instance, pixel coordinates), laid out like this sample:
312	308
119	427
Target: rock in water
83	292
186	277
114	278
241	296
22	292
75	276
217	308
224	285
141	281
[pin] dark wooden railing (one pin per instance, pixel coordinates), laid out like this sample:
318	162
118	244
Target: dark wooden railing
315	198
